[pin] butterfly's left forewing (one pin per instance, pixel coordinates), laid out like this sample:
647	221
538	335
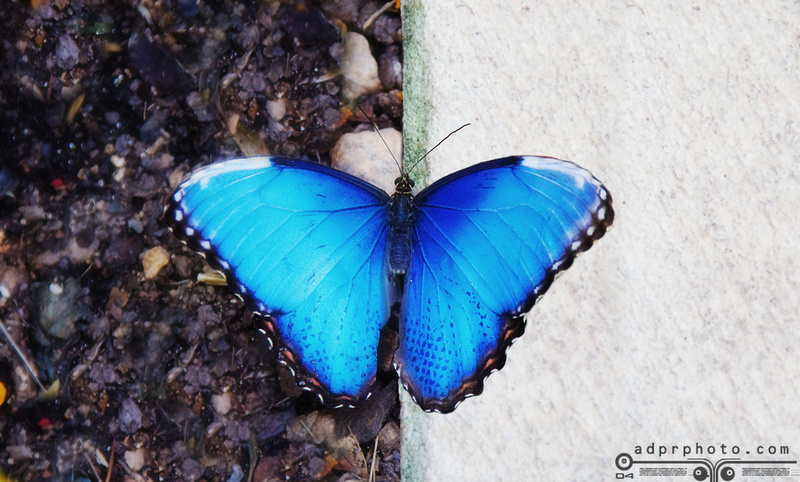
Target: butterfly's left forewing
305	245
487	242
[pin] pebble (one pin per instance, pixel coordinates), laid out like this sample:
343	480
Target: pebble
8	182
156	64
390	70
201	108
386	29
59	307
130	416
10	278
237	475
277	108
134	459
135	225
269	424
308	25
122	252
188	8
344	10
153	260
364	155
151	129
66	52
358	67
221	403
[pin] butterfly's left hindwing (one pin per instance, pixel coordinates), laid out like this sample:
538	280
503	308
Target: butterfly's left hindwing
305	245
487	243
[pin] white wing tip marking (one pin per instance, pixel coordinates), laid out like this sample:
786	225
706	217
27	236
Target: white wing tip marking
178	215
205	174
205	245
189	231
579	174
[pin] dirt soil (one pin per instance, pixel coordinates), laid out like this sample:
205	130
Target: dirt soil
146	374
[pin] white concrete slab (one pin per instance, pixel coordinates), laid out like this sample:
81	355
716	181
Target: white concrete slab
681	326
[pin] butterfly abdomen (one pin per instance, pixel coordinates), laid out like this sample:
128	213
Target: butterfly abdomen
400	225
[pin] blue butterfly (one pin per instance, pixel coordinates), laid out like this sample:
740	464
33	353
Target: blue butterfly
323	256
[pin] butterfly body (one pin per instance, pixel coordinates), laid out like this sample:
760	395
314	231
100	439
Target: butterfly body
322	254
401	225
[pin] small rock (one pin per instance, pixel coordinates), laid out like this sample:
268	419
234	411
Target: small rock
188	8
195	377
156	64
390	69
85	237
308	25
159	162
60	306
32	213
136	226
363	155
313	427
269	468
130	417
201	108
390	102
10	278
122	252
358	67
271	423
386	29
253	81
221	403
123	146
192	470
333	119
111	117
248	36
8	182
237	430
183	266
151	129
237	475
134	459
103	373
153	260
318	468
344	10
66	52
98	328
277	108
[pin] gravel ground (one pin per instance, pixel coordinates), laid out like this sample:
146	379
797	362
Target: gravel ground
105	105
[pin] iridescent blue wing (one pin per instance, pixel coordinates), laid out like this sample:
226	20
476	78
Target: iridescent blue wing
305	245
487	243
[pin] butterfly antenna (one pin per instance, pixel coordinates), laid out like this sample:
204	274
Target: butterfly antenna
437	145
375	126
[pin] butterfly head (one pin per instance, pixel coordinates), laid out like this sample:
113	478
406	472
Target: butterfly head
403	185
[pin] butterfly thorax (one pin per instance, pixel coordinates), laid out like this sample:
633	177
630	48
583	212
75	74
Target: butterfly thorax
400	225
